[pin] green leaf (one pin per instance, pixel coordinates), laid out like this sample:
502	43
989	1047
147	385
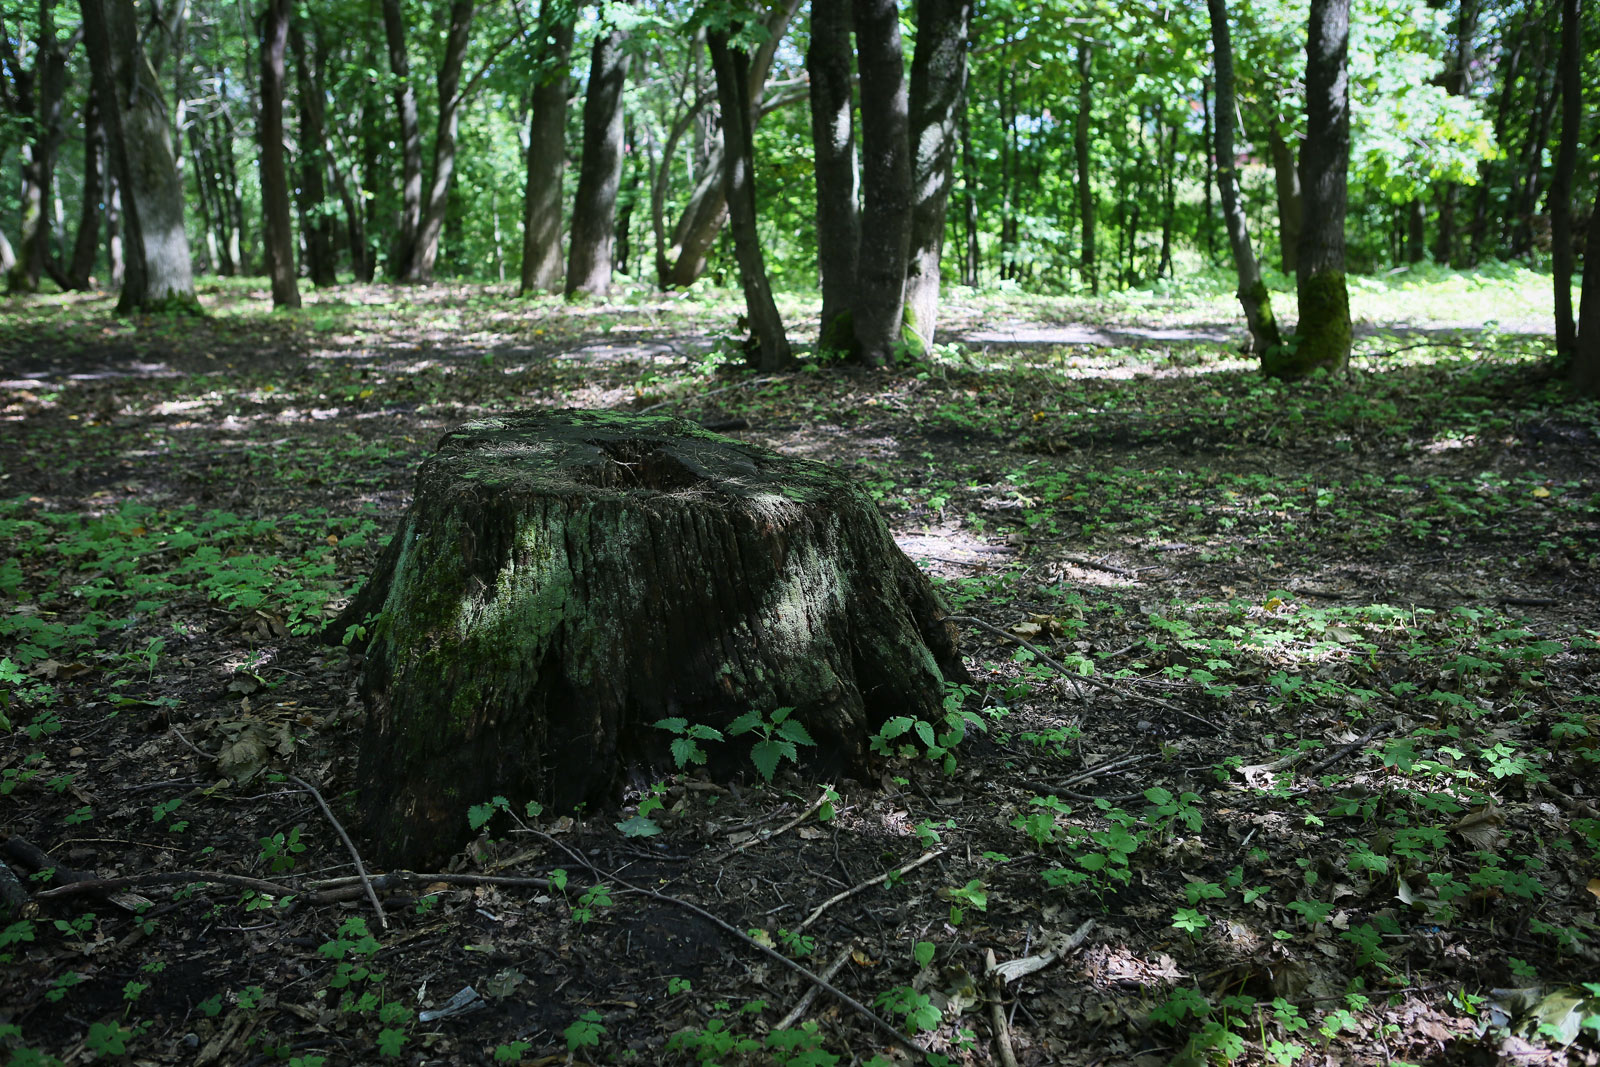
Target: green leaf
638	826
766	755
676	726
895	727
744	723
685	752
795	732
925	731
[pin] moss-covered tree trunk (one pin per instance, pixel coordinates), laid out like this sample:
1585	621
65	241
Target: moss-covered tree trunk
1323	332
565	579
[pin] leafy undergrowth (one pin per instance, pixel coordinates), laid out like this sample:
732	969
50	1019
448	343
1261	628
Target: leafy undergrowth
1281	744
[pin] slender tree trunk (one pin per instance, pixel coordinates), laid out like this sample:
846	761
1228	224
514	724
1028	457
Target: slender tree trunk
1253	295
938	89
834	148
228	166
208	202
1080	148
1207	234
1286	179
732	70
318	225
116	261
1169	207
1531	170
1561	184
87	245
969	182
157	273
1444	240
886	181
1458	82
547	155
8	254
405	106
426	253
594	210
277	227
364	179
1586	353
1007	78
37	100
707	209
1324	328
1416	231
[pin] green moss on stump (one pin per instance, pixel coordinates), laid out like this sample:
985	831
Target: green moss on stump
566	579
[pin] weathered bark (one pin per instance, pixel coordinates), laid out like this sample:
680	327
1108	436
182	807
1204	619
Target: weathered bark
156	273
1586	353
1561	259
594	209
834	146
1080	148
316	219
938	85
277	227
565	579
86	246
547	155
731	68
1253	296
707	210
405	106
1286	180
885	180
420	262
1324	327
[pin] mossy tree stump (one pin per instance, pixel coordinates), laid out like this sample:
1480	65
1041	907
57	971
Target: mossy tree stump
565	579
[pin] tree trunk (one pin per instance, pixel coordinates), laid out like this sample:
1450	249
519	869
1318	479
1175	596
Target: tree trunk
1324	327
1169	206
566	583
1206	235
833	143
1527	179
426	253
707	210
1253	296
116	262
969	183
38	94
87	244
157	273
1286	179
1586	353
594	209
314	163
277	227
1444	239
1570	73
1416	231
405	106
1080	148
731	68
886	182
547	153
938	86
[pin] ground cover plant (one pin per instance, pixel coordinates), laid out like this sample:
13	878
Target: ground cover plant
1280	745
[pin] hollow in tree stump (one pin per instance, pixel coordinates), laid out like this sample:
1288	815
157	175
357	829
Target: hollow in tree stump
565	579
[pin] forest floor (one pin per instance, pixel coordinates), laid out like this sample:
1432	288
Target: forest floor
1297	763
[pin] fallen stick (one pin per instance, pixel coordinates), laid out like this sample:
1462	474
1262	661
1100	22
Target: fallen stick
361	868
884	877
799	1010
768	835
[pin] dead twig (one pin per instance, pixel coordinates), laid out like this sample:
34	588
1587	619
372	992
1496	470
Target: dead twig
1102	768
1342	751
869	883
106	885
997	1015
768	835
350	846
798	1012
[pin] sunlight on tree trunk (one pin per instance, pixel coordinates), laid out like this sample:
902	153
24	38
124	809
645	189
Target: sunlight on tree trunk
420	268
834	150
547	156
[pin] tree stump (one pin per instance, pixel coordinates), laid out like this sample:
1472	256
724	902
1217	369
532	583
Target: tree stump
565	579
